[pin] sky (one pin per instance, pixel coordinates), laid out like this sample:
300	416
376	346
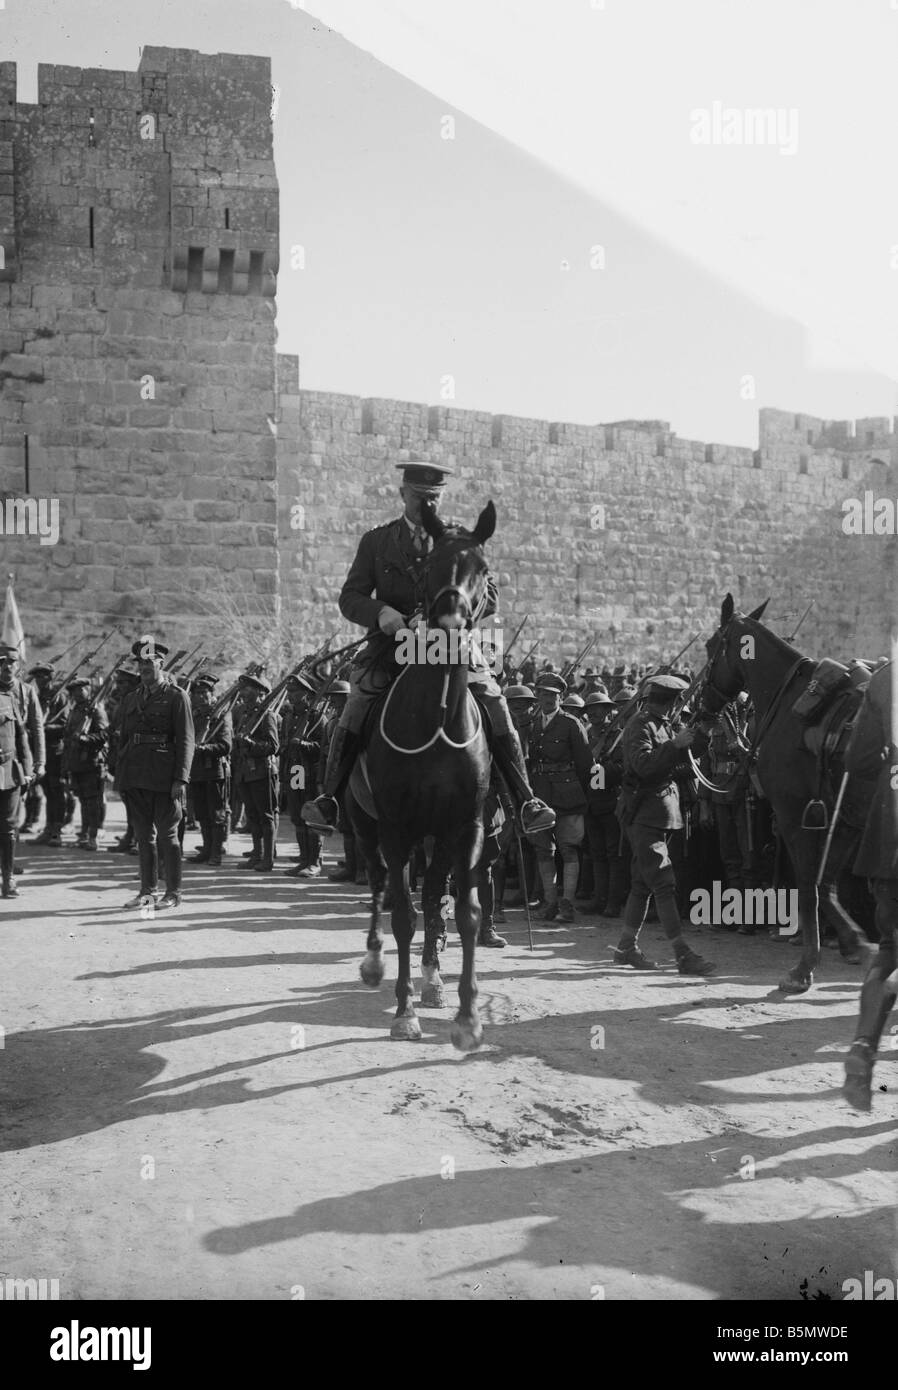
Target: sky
596	240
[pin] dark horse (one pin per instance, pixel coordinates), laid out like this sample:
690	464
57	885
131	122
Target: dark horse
426	771
745	655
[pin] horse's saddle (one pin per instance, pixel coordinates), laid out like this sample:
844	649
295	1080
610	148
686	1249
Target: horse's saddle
829	679
372	716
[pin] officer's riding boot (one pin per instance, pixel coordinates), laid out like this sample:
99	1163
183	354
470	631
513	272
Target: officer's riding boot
172	864
488	936
316	856
322	813
7	859
617	888
535	814
44	836
266	862
549	911
54	835
302	841
255	855
585	880
216	841
566	903
349	870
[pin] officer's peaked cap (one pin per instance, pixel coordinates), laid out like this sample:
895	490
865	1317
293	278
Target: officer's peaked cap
549	681
147	647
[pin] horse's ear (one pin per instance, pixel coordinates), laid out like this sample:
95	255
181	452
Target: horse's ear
727	609
758	612
431	522
486	524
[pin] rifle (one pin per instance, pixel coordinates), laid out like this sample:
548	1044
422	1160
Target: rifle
568	670
508	649
617	722
275	697
195	669
97	699
169	667
801	620
520	668
59	688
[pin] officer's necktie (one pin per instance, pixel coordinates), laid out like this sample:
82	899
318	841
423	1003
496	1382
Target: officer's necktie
420	540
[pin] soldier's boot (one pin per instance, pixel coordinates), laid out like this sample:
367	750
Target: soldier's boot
7	860
322	813
566	902
488	936
348	873
93	824
204	850
172	864
302	840
70	808
316	857
877	1000
601	878
266	860
535	814
216	844
255	855
54	838
499	891
44	836
549	910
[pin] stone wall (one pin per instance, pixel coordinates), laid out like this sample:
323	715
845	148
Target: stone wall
203	494
139	223
622	531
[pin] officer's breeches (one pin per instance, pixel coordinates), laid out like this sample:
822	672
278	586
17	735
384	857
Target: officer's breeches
210	804
260	801
89	787
156	817
652	875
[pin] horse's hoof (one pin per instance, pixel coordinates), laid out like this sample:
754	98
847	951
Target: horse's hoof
466	1035
372	969
406	1029
432	997
796	984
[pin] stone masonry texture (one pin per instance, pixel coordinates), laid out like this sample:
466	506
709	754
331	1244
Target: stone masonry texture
141	387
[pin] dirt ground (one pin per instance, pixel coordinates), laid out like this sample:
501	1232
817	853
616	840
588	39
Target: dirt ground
207	1104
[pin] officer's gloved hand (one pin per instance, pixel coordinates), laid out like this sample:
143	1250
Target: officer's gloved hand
389	621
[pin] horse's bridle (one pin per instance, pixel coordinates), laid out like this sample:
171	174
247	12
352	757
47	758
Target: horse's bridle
472	615
708	685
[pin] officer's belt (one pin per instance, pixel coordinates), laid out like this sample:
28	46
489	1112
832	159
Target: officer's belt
544	768
158	739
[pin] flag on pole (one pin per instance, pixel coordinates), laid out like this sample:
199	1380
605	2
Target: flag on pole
11	633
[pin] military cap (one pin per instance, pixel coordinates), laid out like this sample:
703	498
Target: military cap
590	671
549	681
666	682
257	682
340	688
423	472
625	693
78	683
573	701
206	680
519	692
43	668
598	697
126	677
146	648
300	682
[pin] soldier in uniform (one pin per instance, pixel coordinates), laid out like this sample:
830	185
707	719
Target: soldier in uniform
41	677
522	708
603	832
352	870
16	762
302	739
256	772
873	753
210	771
84	757
54	778
125	683
649	808
381	592
155	755
725	758
560	762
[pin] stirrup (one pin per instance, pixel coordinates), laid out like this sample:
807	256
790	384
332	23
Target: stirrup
536	816
313	814
815	816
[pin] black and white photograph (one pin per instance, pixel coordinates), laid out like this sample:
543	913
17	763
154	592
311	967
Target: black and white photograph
448	615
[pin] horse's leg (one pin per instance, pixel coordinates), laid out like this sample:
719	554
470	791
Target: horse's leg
371	968
433	892
804	851
467	1030
406	1027
853	944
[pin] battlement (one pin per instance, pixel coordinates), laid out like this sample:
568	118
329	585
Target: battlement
781	430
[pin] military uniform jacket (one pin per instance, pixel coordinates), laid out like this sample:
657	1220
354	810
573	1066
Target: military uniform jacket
54	729
156	739
212	757
85	737
16	763
601	801
302	740
28	709
383	575
870	754
650	761
560	763
257	759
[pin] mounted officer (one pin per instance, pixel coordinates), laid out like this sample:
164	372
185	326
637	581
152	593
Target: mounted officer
649	809
383	589
155	755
